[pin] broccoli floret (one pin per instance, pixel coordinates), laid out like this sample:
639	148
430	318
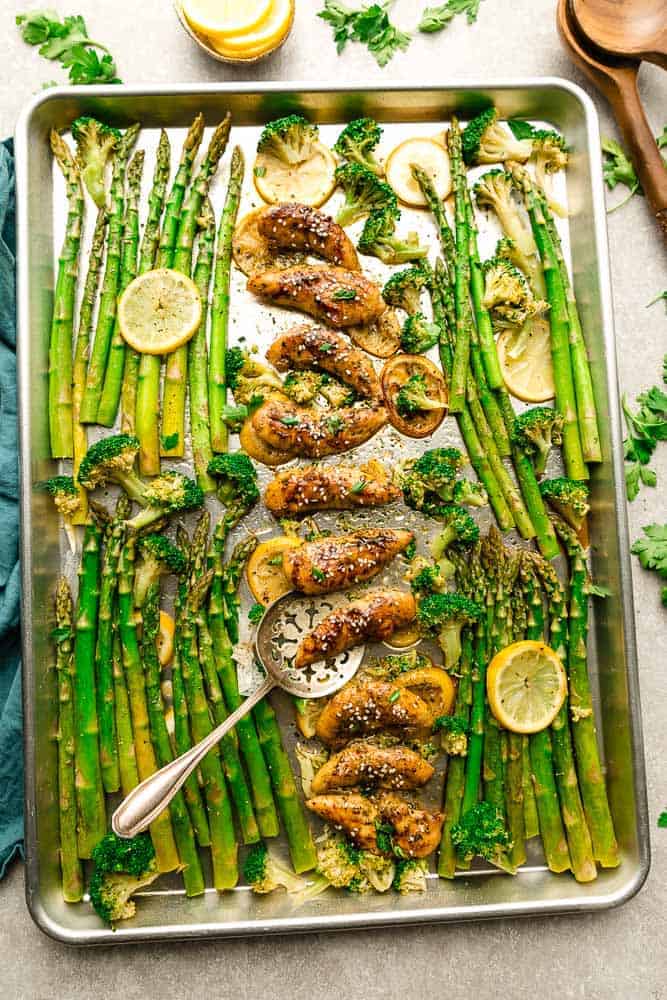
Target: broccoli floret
442	616
430	479
410	876
506	291
170	493
425	577
364	193
65	495
159	557
357	143
289	139
249	378
494	190
460	530
112	459
379	871
469	494
335	393
483	140
337	861
482	831
302	387
568	497
95	142
237	490
403	290
454	731
121	867
263	872
378	240
549	155
413	398
418	335
536	431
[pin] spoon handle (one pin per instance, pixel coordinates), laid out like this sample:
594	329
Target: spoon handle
153	795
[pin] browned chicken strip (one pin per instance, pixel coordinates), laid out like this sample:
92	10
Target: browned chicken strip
374	617
311	433
292	226
333	295
327	487
365	707
308	346
364	763
341	561
416	831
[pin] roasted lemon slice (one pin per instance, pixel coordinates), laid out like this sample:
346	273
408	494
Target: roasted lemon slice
159	311
310	182
264	37
526	364
526	684
432	156
165	639
264	571
227	18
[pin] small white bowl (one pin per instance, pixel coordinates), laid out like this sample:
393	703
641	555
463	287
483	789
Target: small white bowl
204	45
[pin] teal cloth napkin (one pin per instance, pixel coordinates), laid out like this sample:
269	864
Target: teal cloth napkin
11	740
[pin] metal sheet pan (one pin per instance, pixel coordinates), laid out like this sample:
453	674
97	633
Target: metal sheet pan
481	893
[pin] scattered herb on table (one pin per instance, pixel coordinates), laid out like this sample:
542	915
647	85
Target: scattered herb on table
436	18
256	613
646	427
662	139
652	552
662	820
370	26
661	297
618	169
67	41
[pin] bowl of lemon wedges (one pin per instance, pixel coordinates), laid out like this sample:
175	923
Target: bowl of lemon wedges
237	31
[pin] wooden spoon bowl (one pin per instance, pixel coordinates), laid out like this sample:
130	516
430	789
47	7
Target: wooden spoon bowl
630	29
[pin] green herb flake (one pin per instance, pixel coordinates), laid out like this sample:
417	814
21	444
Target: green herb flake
359	487
344	295
370	26
436	18
290	421
256	614
67	42
170	441
662	820
318	575
259	171
394	696
326	348
335	424
275	560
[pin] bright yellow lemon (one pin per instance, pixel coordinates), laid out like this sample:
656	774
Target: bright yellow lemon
526	685
159	311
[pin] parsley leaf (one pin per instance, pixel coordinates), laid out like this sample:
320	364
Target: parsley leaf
370	26
437	18
67	41
662	296
652	552
662	139
599	590
521	129
170	441
289	421
344	295
256	613
318	575
662	820
358	487
618	169
646	427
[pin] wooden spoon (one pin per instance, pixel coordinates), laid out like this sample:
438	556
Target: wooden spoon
618	82
627	29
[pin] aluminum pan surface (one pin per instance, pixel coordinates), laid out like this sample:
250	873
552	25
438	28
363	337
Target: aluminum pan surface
473	895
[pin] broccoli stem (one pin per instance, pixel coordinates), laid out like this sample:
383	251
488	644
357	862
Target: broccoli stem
89	789
560	331
161	830
104	658
202	452
193	877
81	351
457	388
260	782
62	323
116	363
456	766
176	373
589	767
581	371
148	383
70	866
217	384
106	316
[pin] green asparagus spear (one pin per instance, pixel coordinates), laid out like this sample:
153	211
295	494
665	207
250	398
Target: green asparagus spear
217	387
456	766
198	358
106	317
72	875
127	758
148	385
62	324
104	659
175	384
457	389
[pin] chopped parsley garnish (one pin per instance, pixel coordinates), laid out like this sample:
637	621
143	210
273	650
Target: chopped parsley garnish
275	560
318	575
359	487
256	613
394	696
335	424
344	294
370	26
290	421
326	348
259	171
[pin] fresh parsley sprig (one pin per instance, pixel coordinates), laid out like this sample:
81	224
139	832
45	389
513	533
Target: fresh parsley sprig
68	42
646	427
652	552
436	18
370	26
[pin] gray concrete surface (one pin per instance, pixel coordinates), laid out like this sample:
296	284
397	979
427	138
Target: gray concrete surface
618	955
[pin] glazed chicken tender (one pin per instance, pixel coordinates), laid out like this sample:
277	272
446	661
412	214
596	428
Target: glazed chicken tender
335	563
305	347
292	226
374	617
333	295
366	707
365	763
316	433
328	487
416	831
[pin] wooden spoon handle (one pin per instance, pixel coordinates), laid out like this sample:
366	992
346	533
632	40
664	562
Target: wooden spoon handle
644	152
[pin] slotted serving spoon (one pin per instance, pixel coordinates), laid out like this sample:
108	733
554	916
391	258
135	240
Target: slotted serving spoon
627	29
279	633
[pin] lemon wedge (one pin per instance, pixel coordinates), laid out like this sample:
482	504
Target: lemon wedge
528	370
159	311
311	182
432	156
264	571
526	685
227	18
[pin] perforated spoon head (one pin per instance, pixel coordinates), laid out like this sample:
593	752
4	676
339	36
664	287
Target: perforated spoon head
283	626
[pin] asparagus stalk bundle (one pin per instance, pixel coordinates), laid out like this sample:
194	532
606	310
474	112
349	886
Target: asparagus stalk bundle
104	658
457	388
202	452
217	385
148	379
175	385
106	317
62	323
72	875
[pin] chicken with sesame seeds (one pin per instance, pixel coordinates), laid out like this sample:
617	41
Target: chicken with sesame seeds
365	763
314	433
330	294
292	226
371	706
341	561
414	833
305	347
329	487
